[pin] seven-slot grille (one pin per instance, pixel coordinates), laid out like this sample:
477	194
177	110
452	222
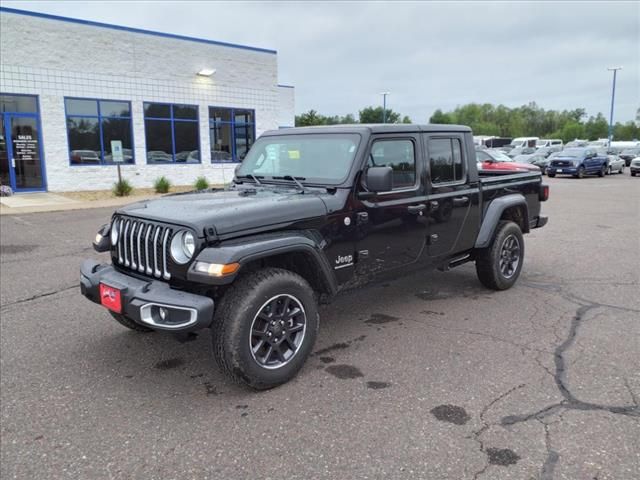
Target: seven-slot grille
143	246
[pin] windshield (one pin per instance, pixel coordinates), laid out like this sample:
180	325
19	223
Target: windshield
573	152
631	151
500	157
317	158
517	144
542	143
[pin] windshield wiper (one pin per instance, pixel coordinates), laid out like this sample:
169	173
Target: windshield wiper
292	179
252	177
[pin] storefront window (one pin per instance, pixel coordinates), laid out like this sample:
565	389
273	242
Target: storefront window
92	125
171	133
231	132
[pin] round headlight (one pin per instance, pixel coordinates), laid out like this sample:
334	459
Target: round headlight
183	245
115	232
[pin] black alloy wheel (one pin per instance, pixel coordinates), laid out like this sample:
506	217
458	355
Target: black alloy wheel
277	331
509	256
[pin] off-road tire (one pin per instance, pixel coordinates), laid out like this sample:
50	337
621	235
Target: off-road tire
231	328
488	259
128	323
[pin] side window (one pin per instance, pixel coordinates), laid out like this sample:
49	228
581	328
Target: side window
400	156
445	160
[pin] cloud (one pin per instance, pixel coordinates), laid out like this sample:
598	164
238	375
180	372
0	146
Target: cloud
340	55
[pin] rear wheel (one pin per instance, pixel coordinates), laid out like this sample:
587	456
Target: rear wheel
498	266
265	328
128	323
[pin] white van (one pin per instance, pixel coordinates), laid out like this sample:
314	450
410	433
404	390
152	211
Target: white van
549	142
521	142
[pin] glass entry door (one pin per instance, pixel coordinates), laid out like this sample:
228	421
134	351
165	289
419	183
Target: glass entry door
21	152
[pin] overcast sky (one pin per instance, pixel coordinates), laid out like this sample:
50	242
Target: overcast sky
340	55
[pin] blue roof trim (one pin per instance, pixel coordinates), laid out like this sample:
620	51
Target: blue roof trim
285	86
132	30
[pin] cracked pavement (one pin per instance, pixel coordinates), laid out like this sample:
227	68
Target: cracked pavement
429	376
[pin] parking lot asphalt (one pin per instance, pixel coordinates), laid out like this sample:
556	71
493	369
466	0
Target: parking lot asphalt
429	376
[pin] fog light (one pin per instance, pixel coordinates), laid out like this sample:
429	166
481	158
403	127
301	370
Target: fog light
216	269
163	312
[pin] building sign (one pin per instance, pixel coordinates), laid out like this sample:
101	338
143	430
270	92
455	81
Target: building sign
25	147
116	151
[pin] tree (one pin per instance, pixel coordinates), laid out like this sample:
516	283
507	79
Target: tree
626	131
596	127
440	117
309	119
375	115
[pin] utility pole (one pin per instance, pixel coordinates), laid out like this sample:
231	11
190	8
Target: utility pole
384	106
613	97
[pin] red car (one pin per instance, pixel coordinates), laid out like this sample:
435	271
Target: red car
496	160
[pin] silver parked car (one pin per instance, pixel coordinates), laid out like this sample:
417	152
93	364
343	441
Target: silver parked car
615	163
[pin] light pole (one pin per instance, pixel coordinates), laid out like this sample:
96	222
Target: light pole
384	106
613	97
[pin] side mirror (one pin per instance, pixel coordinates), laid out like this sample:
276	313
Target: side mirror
380	179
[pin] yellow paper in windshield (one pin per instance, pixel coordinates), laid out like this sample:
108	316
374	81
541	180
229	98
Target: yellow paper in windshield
294	154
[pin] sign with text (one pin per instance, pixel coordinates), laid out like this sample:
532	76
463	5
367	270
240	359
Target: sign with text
116	151
25	148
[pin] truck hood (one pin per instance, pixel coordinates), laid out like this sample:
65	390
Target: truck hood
233	210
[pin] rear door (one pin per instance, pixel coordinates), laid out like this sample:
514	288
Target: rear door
452	194
392	227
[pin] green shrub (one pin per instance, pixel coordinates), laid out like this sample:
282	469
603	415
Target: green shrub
201	184
162	185
122	188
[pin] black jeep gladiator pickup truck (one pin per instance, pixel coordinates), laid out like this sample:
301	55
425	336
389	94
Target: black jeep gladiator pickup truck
311	212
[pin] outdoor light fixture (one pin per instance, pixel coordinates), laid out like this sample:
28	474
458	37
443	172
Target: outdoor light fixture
207	72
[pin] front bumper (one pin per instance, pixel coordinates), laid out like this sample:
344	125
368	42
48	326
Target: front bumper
143	299
563	170
635	169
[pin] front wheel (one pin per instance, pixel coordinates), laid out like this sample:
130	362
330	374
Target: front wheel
551	175
603	171
265	328
498	266
580	173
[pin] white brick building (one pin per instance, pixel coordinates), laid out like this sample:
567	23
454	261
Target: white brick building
69	87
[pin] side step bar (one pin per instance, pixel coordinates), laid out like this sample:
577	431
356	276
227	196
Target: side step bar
456	262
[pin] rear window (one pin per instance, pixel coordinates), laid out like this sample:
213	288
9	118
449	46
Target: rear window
445	160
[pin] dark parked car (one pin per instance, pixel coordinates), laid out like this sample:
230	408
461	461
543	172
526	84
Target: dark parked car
629	154
313	211
578	162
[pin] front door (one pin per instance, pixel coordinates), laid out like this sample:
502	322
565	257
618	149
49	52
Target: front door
392	226
20	152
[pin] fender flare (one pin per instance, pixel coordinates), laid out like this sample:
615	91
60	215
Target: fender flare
493	214
264	246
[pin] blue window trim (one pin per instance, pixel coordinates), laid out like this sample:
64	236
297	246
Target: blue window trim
232	123
43	164
134	30
172	120
99	117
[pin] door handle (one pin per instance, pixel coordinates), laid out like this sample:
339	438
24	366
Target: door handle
460	201
417	209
